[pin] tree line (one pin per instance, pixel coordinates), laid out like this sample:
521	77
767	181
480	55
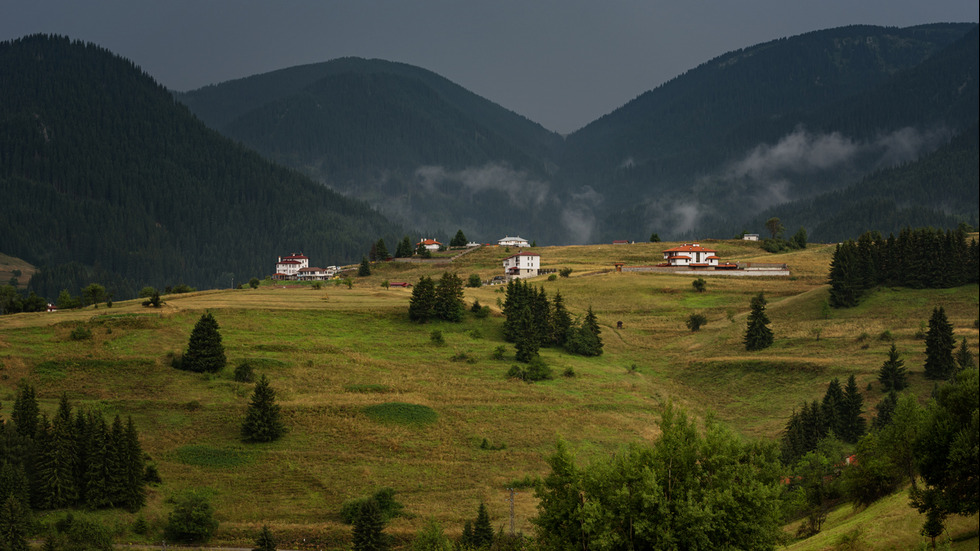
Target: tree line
922	258
73	459
533	321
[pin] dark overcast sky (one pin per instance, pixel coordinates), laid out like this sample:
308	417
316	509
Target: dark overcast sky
561	63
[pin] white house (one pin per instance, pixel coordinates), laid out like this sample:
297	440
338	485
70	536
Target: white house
314	274
692	255
429	244
513	242
522	265
750	237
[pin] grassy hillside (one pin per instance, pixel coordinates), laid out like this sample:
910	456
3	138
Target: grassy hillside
334	351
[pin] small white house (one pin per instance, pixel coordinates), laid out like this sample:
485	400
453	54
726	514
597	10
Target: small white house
750	237
314	274
692	255
522	265
513	242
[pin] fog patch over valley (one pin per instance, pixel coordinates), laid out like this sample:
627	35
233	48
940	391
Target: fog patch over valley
517	185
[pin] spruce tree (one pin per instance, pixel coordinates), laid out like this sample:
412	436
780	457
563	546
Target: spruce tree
134	496
885	410
263	421
25	412
892	375
14	483
369	528
365	268
57	461
14	525
482	529
459	240
559	321
853	425
116	485
585	340
964	358
832	408
265	541
205	353
526	340
758	335
939	346
845	280
381	250
449	298
421	306
96	491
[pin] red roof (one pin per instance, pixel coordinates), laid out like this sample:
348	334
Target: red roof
428	242
297	256
311	269
690	248
288	262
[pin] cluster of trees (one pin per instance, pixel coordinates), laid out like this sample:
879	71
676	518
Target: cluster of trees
906	442
75	459
13	302
693	489
839	413
776	244
922	258
442	300
533	321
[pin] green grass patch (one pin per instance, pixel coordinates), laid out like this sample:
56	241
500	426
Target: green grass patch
202	455
266	363
367	388
400	413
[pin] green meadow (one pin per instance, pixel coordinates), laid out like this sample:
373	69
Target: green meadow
370	401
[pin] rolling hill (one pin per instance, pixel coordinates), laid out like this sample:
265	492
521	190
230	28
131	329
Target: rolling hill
337	355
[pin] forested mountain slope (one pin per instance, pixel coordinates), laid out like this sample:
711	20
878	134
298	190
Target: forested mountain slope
939	190
700	155
106	178
412	143
775	122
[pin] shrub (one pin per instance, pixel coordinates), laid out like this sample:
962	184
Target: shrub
254	283
886	335
498	353
81	333
476	306
385	498
244	372
192	520
696	321
565	272
552	277
699	284
436	337
474	281
536	370
569	372
482	312
462	357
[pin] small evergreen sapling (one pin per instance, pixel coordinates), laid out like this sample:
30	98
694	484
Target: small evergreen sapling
892	375
758	335
263	421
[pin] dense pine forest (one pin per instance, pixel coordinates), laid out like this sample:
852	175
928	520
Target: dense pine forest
107	179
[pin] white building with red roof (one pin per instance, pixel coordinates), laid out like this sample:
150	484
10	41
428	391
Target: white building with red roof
691	255
288	267
429	244
522	265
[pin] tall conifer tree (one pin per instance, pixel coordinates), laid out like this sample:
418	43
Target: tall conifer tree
26	411
939	346
892	374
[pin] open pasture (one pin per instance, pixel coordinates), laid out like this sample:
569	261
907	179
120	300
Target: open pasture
334	355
